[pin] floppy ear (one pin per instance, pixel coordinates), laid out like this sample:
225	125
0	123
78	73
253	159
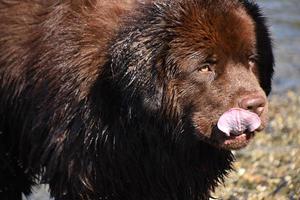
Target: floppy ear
136	58
134	66
264	46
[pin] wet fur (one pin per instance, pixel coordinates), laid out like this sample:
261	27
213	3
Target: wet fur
87	100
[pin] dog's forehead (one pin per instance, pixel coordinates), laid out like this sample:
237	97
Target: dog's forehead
231	31
238	34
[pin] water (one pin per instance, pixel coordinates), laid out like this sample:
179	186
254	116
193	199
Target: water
284	21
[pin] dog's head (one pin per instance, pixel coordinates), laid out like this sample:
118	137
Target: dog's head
208	64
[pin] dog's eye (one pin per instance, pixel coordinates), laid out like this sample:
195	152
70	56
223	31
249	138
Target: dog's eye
252	60
205	68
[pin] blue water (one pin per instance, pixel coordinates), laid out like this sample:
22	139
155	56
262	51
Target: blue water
284	21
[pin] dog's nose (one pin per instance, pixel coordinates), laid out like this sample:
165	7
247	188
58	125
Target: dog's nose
253	103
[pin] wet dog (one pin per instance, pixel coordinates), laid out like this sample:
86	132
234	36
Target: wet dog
111	99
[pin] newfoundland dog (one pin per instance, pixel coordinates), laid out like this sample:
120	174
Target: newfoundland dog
129	99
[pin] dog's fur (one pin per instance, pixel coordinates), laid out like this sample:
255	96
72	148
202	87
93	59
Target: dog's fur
104	98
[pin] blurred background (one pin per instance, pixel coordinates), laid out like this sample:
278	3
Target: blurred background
269	168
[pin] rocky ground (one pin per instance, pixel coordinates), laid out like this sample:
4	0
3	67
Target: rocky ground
269	168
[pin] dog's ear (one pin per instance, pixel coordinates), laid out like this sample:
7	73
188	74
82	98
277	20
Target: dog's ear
264	46
136	61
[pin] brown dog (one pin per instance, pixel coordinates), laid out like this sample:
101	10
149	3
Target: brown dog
129	100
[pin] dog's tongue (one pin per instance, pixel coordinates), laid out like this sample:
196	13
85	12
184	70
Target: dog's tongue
237	121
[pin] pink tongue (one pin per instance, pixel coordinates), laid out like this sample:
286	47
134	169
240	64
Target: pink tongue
237	121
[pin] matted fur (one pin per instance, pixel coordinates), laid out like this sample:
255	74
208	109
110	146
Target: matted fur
97	96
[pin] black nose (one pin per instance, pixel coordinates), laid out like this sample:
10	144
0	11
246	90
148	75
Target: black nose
253	103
